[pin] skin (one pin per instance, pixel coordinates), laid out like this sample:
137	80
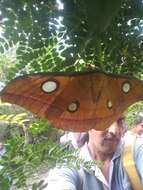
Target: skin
138	129
102	145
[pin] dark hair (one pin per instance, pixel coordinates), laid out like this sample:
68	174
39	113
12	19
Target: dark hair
138	119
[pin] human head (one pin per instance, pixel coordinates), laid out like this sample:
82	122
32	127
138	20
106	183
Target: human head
108	140
138	124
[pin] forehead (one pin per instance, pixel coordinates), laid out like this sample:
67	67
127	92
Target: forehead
118	125
113	125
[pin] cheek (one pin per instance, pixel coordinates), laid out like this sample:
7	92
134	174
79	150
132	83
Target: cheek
141	130
122	132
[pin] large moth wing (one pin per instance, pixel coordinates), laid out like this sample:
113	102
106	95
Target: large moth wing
75	101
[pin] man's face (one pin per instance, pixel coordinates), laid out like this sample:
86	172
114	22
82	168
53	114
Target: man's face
106	141
139	129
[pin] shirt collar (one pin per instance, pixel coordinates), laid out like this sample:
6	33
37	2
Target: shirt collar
95	169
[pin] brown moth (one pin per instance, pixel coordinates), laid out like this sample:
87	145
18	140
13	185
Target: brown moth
76	101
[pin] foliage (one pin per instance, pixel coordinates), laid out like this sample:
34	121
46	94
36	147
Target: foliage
132	112
25	20
14	119
20	59
39	186
8	58
118	49
23	160
53	39
7	108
